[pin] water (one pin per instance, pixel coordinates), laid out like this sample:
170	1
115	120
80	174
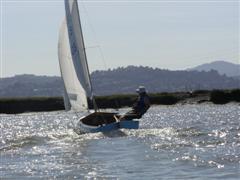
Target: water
173	142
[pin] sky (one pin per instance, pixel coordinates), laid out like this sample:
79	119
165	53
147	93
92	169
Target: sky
171	35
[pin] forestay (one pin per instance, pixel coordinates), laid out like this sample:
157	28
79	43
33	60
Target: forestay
72	59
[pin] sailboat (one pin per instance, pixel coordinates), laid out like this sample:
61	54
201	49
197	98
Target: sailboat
77	82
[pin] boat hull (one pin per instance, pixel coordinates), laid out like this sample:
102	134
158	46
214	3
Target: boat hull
104	122
129	124
83	128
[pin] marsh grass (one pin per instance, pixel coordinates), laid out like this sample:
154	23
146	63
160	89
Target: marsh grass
34	104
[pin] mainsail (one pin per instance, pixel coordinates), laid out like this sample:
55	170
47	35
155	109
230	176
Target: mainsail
72	59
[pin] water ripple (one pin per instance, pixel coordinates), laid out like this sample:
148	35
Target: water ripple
173	142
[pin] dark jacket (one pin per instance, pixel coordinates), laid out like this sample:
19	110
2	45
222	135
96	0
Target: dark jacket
142	104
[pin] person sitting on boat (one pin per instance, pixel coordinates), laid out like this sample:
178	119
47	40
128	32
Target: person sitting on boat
140	107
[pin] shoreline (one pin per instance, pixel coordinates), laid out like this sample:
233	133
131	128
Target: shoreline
16	105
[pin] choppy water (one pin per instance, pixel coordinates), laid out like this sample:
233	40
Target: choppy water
173	142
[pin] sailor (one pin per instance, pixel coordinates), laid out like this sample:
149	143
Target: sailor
140	107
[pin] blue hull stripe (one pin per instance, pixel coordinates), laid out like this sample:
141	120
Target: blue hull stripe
109	127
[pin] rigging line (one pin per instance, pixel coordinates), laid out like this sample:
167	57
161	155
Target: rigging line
101	54
90	81
103	58
95	35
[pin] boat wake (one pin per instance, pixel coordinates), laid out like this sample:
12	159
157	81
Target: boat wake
22	142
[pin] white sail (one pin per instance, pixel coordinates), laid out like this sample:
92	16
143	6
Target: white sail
75	93
73	61
77	45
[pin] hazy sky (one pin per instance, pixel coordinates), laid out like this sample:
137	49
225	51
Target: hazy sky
164	34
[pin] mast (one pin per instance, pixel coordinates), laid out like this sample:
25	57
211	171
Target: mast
84	48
